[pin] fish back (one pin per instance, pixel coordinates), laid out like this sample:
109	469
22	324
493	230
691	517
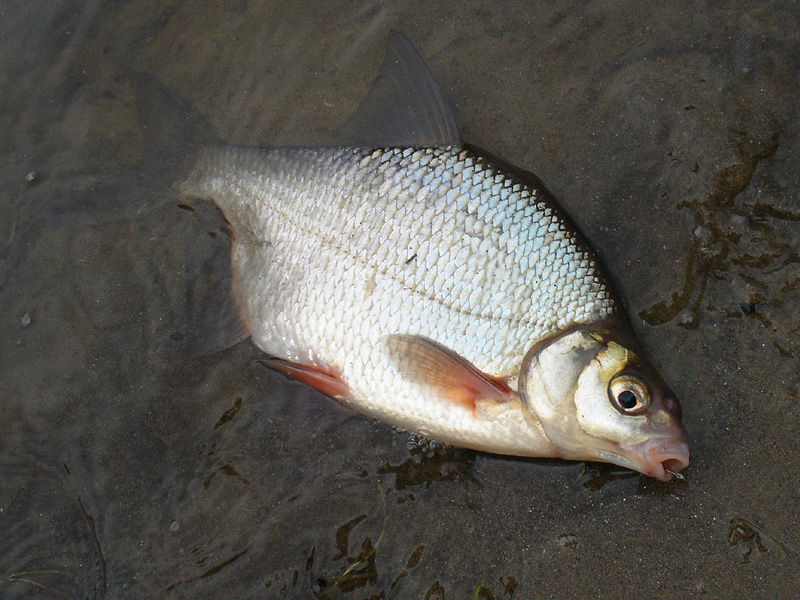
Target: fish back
335	248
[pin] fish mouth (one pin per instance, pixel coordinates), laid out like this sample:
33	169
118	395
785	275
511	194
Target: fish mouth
663	457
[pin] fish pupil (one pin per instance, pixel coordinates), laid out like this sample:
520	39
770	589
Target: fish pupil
627	399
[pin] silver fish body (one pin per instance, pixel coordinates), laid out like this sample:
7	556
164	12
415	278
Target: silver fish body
401	273
433	287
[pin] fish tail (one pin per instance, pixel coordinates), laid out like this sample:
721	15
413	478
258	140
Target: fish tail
172	132
174	136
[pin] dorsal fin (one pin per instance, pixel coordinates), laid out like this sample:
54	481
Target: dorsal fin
405	106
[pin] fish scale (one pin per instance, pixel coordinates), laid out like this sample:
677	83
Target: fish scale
334	249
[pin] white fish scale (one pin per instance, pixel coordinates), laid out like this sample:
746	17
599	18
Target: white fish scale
336	248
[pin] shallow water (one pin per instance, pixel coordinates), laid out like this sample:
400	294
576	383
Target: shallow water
130	467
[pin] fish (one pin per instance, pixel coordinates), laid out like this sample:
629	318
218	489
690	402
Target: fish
426	283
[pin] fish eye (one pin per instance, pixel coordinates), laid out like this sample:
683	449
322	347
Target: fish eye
629	393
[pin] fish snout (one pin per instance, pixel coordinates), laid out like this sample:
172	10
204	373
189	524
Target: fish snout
664	456
673	407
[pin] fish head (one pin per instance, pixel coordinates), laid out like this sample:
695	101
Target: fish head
596	399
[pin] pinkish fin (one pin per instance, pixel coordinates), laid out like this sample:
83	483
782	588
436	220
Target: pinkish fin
326	380
448	375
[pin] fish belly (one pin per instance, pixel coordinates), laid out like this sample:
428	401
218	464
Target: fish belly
334	249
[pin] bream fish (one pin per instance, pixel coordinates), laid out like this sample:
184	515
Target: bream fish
422	282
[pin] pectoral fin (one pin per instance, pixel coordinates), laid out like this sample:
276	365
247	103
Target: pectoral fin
447	375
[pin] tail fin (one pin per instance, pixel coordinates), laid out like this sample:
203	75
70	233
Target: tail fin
173	135
172	132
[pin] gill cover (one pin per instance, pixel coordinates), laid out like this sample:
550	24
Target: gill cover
597	400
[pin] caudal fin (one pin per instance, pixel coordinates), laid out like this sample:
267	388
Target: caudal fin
173	135
172	132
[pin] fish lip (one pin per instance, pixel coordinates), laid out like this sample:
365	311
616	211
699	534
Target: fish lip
663	456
